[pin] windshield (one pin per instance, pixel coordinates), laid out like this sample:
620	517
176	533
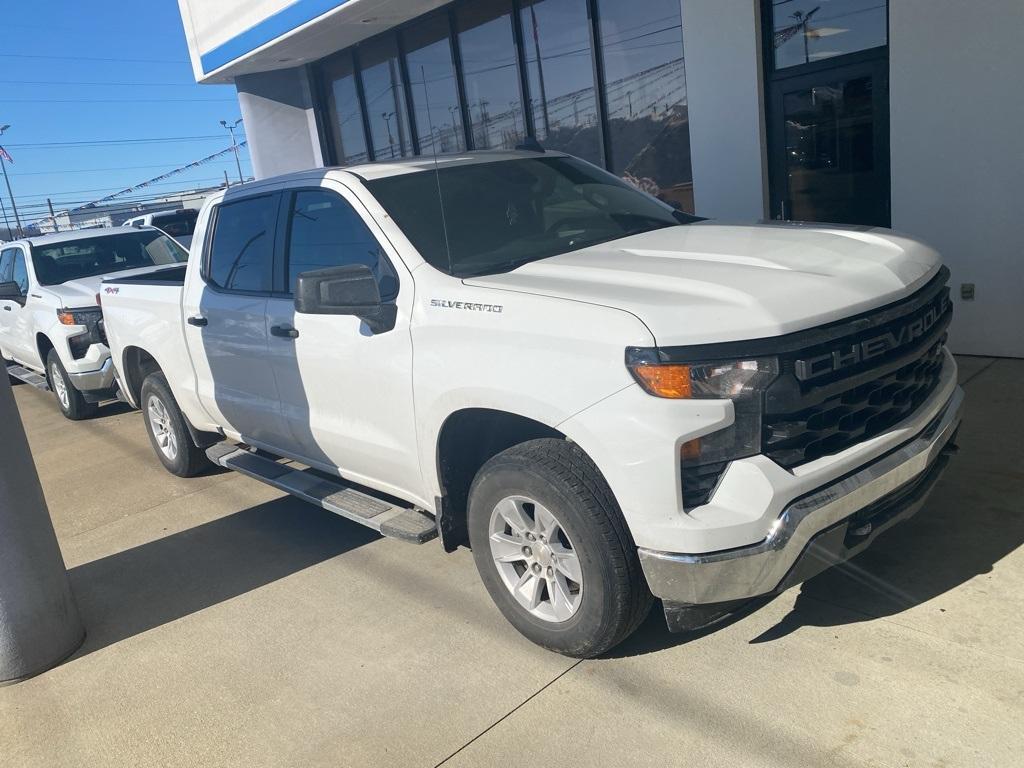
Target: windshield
506	213
60	262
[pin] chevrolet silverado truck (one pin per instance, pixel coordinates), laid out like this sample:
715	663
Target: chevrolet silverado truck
51	333
607	400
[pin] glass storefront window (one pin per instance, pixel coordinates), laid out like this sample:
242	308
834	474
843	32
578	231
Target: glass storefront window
560	73
385	98
805	31
434	93
645	90
491	74
344	116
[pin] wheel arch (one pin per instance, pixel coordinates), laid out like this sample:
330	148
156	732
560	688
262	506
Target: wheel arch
136	365
467	439
43	347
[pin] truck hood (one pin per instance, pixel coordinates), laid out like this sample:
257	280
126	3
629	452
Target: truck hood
710	282
82	292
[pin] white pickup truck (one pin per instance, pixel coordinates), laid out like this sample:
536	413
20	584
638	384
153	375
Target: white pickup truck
606	399
51	334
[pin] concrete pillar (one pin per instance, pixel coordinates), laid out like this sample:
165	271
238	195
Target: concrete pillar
280	124
722	50
39	621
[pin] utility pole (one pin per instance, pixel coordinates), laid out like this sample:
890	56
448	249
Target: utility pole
7	223
10	194
234	145
53	216
540	74
39	624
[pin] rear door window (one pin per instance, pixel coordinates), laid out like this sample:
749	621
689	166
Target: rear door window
241	256
324	230
7	264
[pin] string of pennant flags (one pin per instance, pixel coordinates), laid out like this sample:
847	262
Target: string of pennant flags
161	177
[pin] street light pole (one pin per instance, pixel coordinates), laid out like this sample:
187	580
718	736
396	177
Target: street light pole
10	194
234	145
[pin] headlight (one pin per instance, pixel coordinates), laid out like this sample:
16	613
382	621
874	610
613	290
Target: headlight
742	381
79	316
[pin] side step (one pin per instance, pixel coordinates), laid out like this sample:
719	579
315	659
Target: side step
32	378
333	495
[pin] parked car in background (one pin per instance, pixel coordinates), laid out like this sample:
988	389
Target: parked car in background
51	331
607	399
179	224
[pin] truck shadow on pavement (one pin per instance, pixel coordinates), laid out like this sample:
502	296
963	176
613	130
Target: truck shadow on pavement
968	524
138	589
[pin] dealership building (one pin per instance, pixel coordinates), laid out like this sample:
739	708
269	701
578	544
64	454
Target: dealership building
906	114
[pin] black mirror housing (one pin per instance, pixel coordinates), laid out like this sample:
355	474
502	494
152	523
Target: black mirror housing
348	290
11	291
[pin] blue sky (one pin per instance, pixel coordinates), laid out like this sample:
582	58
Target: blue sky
144	88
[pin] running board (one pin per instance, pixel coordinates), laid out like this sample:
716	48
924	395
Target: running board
333	495
32	378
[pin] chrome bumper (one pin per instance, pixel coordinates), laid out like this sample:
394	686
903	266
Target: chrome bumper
91	381
816	531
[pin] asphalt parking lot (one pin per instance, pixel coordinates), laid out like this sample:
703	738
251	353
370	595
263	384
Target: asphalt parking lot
231	626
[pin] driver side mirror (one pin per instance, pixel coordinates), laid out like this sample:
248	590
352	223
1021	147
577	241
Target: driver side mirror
348	290
12	292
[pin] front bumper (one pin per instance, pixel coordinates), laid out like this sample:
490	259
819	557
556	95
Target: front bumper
97	380
820	529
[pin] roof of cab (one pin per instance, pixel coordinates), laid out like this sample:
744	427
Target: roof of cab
385	168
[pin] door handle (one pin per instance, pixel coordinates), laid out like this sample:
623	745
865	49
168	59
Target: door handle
198	321
284	332
7	308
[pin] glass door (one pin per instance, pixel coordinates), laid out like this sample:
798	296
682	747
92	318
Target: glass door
830	146
828	111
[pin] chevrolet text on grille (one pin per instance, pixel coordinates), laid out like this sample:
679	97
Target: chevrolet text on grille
852	354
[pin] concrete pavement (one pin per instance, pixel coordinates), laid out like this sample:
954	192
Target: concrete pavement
230	626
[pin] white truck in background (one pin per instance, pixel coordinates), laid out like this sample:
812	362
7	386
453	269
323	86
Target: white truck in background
606	399
51	330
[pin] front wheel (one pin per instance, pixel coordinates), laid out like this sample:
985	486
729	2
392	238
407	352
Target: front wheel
71	402
553	549
168	433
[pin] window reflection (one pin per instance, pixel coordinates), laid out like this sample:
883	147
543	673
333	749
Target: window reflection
346	117
559	68
385	99
830	154
491	74
811	30
645	90
435	95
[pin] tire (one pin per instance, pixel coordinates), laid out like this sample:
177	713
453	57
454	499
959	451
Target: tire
539	482
168	433
70	401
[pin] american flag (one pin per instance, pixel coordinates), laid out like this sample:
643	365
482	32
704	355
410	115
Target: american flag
6	155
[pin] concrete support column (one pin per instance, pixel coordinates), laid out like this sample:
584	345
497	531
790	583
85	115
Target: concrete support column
39	621
280	125
722	50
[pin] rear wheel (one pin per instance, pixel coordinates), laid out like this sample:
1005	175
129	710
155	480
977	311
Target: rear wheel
168	433
553	549
71	402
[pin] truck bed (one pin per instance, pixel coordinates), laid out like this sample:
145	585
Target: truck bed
174	275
